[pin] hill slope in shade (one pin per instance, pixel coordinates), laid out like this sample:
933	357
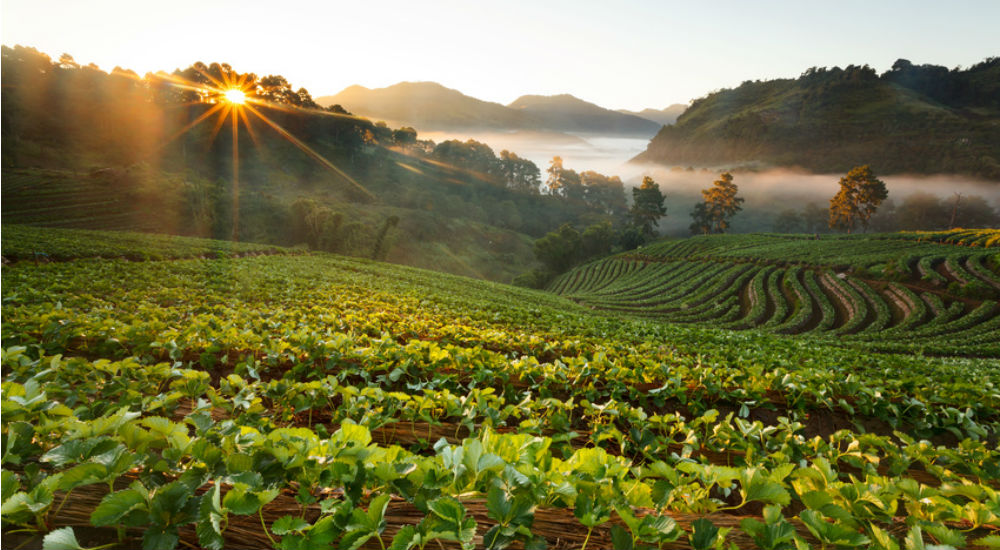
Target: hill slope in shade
663	117
911	119
570	114
429	106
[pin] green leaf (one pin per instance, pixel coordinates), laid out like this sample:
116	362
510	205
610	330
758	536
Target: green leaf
620	538
498	506
61	539
946	536
495	539
241	501
704	534
82	474
376	512
761	489
160	539
405	539
288	524
882	540
989	541
816	500
11	484
914	539
115	506
210	516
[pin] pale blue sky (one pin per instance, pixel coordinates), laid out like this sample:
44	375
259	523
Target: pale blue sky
619	54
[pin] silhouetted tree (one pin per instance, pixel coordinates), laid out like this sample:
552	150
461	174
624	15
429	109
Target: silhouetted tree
859	196
564	182
721	204
519	174
647	206
559	249
788	221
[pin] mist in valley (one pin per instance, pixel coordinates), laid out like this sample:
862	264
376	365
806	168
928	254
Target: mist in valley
767	193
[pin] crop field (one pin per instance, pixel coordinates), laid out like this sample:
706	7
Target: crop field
163	395
933	293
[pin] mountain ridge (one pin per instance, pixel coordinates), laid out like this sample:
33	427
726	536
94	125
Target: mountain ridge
431	106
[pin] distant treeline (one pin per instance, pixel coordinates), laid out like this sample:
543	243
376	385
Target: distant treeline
921	119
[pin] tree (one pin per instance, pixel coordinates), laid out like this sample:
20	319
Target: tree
702	223
858	199
788	221
559	249
721	204
647	206
564	182
922	211
518	173
404	137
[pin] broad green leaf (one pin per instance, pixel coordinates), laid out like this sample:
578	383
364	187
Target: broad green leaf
210	517
288	524
160	539
704	534
61	539
115	506
11	484
620	538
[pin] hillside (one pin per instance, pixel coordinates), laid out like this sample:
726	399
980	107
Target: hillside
918	292
663	117
429	106
91	150
911	119
570	114
289	400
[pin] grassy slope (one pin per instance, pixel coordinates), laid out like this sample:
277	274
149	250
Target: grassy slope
830	129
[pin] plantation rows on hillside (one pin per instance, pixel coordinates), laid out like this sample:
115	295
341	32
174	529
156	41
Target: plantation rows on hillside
314	401
883	293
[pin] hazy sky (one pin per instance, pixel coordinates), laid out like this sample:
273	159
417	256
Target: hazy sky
619	54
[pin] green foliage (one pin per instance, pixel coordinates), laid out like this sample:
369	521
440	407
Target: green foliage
376	392
942	122
857	200
720	204
647	206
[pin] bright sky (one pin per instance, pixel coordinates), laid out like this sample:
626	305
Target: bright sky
619	54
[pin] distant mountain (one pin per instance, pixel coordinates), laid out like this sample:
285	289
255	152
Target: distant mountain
663	117
566	113
429	107
911	119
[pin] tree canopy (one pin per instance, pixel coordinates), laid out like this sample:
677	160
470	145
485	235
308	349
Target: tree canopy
647	206
858	199
719	206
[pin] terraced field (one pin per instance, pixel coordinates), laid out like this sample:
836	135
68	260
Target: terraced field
161	393
930	292
57	198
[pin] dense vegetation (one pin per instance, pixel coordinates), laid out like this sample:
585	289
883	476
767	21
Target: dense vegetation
921	119
882	292
88	149
317	401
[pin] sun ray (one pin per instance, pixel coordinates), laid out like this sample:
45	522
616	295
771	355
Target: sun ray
211	78
309	151
250	130
220	122
236	174
192	124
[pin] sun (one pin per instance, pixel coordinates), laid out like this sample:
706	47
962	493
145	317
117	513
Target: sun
235	96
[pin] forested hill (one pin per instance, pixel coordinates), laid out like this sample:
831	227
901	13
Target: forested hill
429	106
911	119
